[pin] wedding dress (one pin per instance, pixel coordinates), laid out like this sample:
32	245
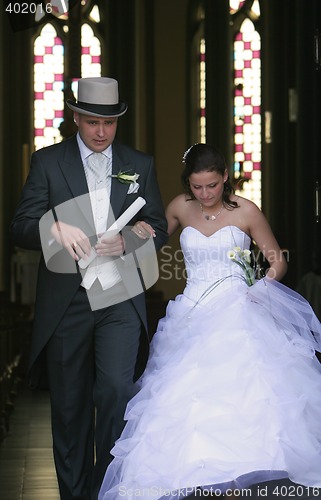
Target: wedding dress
231	395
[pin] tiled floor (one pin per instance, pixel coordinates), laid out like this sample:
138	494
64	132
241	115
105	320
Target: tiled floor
26	464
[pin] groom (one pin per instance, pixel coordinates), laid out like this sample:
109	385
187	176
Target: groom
88	354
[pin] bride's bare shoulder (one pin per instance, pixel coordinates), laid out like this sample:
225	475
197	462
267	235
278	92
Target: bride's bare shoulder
245	203
180	201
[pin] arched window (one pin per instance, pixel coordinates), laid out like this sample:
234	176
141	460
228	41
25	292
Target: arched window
48	87
49	64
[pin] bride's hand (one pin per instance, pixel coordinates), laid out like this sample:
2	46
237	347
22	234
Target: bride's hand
143	230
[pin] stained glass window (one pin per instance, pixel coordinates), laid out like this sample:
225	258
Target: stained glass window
202	92
197	101
90	52
246	76
247	111
48	87
49	76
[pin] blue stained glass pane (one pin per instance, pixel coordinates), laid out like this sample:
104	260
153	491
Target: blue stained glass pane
57	122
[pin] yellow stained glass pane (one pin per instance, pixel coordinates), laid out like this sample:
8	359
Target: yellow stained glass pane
239	157
40	122
256	8
95	14
235	5
256	176
239	64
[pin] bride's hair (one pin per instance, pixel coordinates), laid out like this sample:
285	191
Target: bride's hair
203	157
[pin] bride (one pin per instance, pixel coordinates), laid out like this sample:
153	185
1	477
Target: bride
231	395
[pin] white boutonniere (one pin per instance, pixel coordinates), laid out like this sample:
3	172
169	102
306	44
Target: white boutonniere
125	178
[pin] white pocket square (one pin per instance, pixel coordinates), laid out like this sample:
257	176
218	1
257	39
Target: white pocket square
133	188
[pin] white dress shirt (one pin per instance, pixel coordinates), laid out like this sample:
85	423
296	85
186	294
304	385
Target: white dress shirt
99	187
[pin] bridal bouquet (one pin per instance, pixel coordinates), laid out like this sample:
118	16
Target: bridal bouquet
243	259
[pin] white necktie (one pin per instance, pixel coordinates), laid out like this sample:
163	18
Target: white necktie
98	175
100	168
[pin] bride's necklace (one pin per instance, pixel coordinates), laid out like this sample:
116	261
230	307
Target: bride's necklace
210	217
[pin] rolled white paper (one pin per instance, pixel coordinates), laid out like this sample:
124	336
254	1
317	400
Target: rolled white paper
117	226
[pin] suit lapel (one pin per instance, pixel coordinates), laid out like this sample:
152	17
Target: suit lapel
118	189
74	173
73	170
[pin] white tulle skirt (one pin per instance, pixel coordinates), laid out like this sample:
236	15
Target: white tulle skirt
231	396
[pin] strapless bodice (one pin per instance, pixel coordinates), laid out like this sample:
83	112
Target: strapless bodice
207	262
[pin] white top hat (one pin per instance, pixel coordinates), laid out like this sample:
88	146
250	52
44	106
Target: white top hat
98	96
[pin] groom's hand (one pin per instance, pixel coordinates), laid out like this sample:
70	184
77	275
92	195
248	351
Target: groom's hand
72	239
